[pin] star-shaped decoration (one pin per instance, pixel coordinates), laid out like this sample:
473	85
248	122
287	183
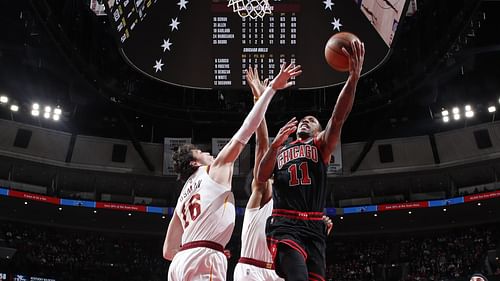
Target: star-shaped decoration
158	65
328	4
336	24
166	44
182	4
174	24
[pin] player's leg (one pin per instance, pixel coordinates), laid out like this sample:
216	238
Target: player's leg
270	275
316	261
245	272
288	253
173	270
198	264
290	263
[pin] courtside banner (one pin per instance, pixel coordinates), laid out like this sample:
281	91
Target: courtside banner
402	206
330	211
446	202
482	196
121	207
34	278
170	145
217	145
360	209
335	165
78	203
158	210
4	192
34	197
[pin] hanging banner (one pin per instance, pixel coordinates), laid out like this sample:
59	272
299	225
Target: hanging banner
97	8
335	166
170	145
217	145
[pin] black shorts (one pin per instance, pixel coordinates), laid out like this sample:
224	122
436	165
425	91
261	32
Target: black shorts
305	236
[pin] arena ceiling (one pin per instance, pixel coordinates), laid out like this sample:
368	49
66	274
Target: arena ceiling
54	52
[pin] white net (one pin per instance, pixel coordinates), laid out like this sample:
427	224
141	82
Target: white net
250	8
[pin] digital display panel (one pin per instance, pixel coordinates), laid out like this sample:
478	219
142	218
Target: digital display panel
204	44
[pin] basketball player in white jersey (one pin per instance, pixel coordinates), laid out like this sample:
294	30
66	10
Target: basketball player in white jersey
204	217
255	263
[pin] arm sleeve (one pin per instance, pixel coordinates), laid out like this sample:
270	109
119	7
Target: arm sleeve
255	116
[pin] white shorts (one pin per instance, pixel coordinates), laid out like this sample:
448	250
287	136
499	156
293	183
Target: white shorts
198	264
248	272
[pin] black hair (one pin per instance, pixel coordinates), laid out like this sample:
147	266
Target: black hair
479	275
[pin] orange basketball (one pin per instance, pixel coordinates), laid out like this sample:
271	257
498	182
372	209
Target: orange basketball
333	50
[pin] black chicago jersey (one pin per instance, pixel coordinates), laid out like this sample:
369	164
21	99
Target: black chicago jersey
300	177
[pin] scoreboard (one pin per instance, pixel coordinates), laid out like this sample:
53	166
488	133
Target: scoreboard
204	44
265	43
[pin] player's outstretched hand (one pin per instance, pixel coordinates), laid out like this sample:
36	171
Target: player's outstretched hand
356	57
329	224
286	72
284	132
253	80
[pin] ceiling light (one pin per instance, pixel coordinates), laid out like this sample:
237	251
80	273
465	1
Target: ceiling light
444	113
456	110
48	109
341	218
409	212
35	112
35	106
446	119
4	99
58	111
468	108
95	212
444	210
46	115
129	214
14	108
469	114
55	117
60	209
492	109
456	116
375	215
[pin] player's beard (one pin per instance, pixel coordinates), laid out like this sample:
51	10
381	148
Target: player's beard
304	134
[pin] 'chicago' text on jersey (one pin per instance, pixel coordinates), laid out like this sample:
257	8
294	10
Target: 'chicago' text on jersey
300	151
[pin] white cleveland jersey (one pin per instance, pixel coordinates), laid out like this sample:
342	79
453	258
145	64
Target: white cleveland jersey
253	234
206	209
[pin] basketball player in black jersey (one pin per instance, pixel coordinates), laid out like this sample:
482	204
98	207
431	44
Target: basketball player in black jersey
295	232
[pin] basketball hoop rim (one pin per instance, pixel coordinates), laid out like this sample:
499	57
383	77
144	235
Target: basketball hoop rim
259	8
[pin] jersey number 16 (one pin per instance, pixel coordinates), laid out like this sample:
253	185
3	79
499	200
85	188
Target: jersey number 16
191	210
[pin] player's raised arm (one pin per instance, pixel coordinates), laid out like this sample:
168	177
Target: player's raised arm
330	136
267	163
260	190
173	238
261	135
232	150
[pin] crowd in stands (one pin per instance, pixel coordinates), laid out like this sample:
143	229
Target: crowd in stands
65	254
453	254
